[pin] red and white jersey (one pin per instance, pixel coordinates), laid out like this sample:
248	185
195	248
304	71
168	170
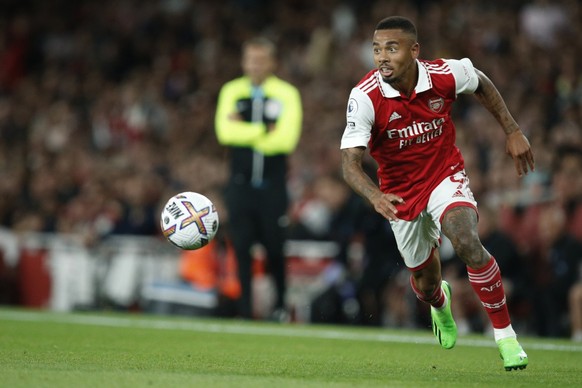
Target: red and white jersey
411	138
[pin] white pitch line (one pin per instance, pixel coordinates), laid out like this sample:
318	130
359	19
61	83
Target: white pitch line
230	328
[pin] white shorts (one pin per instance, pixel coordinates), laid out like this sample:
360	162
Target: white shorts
417	238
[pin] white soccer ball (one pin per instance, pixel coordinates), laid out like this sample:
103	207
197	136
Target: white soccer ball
189	220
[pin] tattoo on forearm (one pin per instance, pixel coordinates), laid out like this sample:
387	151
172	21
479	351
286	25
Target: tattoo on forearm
491	99
355	176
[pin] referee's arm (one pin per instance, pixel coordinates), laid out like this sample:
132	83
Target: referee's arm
230	131
285	135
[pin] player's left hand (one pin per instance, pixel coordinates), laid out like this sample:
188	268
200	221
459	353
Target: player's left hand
517	146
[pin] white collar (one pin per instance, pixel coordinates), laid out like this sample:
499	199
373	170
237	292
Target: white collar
424	82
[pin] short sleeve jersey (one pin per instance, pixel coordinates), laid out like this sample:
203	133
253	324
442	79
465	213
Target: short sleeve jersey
411	138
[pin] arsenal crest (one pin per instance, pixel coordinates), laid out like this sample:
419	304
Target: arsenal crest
352	106
436	104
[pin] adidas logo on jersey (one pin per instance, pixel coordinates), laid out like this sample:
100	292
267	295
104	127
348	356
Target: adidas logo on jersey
458	193
394	116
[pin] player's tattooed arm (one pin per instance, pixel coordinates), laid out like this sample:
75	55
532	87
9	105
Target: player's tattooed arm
354	173
517	145
491	99
362	184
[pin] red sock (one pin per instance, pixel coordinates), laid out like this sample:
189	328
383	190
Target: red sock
437	299
487	284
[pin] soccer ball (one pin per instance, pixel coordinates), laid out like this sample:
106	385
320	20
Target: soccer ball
189	220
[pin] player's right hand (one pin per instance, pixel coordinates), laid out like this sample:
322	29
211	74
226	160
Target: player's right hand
385	204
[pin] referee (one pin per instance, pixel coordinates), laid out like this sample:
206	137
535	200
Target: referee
259	118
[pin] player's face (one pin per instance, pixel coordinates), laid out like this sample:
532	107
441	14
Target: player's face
395	54
257	63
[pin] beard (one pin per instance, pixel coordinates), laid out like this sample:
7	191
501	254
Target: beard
395	79
392	79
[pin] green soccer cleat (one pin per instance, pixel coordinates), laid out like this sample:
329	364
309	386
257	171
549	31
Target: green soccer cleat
512	354
443	324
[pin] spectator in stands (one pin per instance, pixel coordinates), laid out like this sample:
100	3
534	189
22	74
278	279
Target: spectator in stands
567	187
555	271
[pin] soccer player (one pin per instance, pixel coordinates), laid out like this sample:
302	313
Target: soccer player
259	119
401	111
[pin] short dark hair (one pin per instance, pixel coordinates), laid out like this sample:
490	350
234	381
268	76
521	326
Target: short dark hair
398	23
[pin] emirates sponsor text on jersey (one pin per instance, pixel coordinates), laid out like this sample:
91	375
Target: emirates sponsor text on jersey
417	133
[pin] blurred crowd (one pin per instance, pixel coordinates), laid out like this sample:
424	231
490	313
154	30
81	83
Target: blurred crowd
107	109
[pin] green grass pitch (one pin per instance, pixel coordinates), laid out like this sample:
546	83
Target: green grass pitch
47	349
